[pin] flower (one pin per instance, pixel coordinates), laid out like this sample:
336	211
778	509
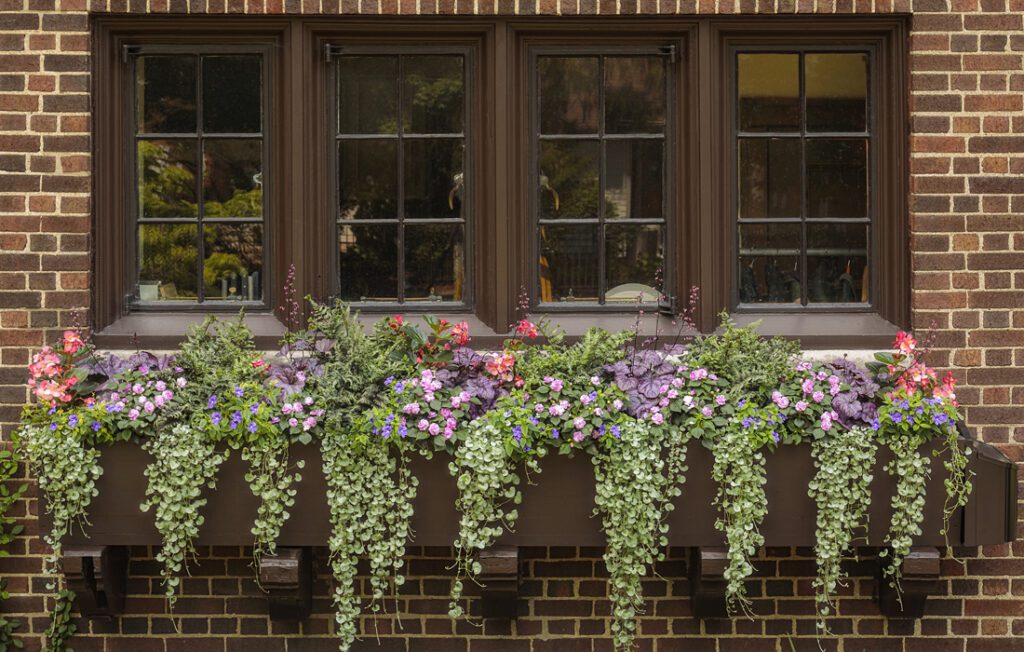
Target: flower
807	386
133	414
579	422
905	343
658	418
617	405
215	418
293	422
210	402
239	392
251	427
501	365
826	421
706	411
72	342
780	400
800	406
526	328
310	422
73	420
434	429
96	426
577	436
556	385
818	397
460	333
698	374
720	399
412	408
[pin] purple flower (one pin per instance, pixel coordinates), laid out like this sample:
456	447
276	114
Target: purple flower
160	385
658	418
577	436
411	408
616	432
517	433
807	386
940	419
210	402
818	397
554	433
556	385
706	411
96	425
239	392
251	427
73	420
215	418
434	429
720	399
53	427
254	408
293	422
698	374
133	414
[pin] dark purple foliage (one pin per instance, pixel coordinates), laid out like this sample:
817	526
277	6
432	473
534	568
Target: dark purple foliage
856	406
292	375
641	375
103	368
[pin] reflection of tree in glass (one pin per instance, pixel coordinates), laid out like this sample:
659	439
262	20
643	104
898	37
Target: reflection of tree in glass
247	203
436	104
230	250
635	96
168	254
166	181
633	255
571	170
433	267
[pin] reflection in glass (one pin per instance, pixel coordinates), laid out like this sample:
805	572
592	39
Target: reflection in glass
233	178
633	256
769	92
434	94
633	179
837	178
433	178
367	177
568	263
168	262
367	95
368	257
837	263
837	91
569	89
167	178
233	267
769	177
634	95
569	185
231	94
165	88
770	263
434	262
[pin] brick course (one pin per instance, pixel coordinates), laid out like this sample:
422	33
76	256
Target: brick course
967	100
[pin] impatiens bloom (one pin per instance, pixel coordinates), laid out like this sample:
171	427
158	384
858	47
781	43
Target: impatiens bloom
501	365
826	420
779	399
800	406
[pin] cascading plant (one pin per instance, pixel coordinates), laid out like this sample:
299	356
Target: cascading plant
8	530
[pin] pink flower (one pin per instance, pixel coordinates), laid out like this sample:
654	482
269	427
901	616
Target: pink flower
72	342
308	400
800	406
677	382
556	385
807	386
595	381
672	394
577	436
293	422
698	374
538	408
434	429
579	422
780	400
423	424
460	333
905	343
617	405
818	397
658	418
720	399
180	382
706	411
412	408
826	421
527	328
133	414
585	399
308	422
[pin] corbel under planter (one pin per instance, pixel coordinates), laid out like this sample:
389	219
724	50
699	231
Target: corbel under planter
499	577
287	578
920	579
98	575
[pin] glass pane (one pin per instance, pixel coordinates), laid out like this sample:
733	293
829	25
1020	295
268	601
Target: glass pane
769	177
232	93
368	179
233	178
167	178
633	179
568	263
434	94
368	95
569	185
837	178
837	263
168	262
435	260
769	92
433	178
233	267
568	95
837	91
368	257
165	88
633	256
769	263
634	95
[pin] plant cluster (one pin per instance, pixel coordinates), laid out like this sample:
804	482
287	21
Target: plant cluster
8	530
371	397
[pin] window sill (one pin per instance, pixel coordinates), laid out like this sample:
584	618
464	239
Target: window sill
162	331
854	330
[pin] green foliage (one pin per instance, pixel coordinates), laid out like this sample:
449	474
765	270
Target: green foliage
911	469
8	530
60	629
750	363
841	490
272	481
184	462
217	354
573	362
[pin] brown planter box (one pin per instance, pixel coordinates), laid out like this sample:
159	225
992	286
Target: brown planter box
557	509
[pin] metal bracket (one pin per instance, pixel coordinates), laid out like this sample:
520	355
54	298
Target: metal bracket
707	582
287	578
331	51
499	576
98	575
920	579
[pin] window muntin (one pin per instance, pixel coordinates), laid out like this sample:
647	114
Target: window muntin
199	201
601	124
403	206
803	195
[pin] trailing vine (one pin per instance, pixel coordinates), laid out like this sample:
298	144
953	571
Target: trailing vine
842	493
61	627
631	486
8	530
184	462
911	468
272	481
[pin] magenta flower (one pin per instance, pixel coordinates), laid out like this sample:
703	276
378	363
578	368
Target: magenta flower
706	411
826	421
800	406
720	399
780	400
556	385
434	429
293	422
423	424
411	408
818	397
658	418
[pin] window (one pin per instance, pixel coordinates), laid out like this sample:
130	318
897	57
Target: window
198	200
600	130
402	180
803	147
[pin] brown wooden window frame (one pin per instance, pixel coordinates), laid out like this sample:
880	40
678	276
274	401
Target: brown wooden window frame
700	241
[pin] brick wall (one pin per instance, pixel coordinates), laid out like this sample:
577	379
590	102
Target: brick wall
967	101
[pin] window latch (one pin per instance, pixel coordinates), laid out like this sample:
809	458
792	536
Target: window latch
667	305
128	51
331	51
670	52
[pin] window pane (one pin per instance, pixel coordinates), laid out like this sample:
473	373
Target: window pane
837	178
433	178
569	186
368	95
435	258
837	260
633	256
233	178
368	179
434	94
837	91
368	257
231	94
769	177
233	267
165	88
568	95
167	178
633	179
568	263
770	263
168	262
634	95
769	92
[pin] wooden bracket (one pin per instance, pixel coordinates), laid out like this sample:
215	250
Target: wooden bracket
707	582
99	576
920	580
499	576
287	578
